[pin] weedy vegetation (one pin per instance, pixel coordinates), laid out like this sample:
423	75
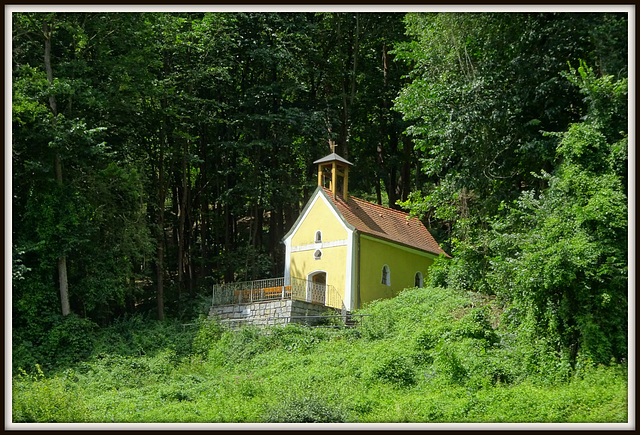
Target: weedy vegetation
428	355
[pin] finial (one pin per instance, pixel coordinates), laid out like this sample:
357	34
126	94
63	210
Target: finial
332	145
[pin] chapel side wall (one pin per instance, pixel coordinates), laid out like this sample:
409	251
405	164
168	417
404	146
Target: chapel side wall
403	264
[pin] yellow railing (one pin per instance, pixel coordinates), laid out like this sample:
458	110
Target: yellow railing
275	288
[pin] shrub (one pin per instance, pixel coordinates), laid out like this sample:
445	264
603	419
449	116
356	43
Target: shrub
241	345
141	335
395	369
476	325
70	340
209	332
36	399
174	394
382	322
24	355
448	363
162	363
296	338
305	409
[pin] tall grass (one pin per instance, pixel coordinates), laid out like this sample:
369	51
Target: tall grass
428	355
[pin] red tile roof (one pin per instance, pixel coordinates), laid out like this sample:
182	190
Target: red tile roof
386	223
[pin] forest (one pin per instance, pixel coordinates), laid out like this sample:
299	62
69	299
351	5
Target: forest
156	154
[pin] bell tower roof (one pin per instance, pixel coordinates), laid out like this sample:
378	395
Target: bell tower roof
332	157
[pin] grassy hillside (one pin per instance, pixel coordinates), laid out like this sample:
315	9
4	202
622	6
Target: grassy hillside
428	355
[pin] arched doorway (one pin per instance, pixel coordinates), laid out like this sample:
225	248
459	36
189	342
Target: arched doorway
317	286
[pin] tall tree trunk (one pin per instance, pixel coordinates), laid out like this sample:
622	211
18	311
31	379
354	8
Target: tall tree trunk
203	271
352	97
380	161
63	281
190	230
406	168
160	253
160	273
394	181
62	259
256	238
64	289
229	226
160	227
391	186
182	214
276	221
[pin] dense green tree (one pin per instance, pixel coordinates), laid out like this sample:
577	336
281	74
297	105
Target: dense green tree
71	200
484	90
496	119
561	254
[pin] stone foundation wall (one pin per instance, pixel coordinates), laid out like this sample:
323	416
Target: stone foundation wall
269	313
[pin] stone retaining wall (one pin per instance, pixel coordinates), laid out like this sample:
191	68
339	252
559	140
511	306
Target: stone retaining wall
269	313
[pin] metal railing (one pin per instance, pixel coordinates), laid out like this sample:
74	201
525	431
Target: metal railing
274	289
249	291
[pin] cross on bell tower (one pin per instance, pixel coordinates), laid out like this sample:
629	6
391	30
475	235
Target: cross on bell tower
334	170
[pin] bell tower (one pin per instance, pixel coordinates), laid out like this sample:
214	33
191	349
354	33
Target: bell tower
333	173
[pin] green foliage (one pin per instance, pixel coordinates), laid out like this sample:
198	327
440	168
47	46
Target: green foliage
445	358
395	369
398	316
254	343
535	217
122	372
244	345
476	325
70	340
37	399
140	335
564	250
66	341
305	409
24	354
448	364
209	332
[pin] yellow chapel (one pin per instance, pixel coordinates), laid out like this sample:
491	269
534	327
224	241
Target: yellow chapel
360	250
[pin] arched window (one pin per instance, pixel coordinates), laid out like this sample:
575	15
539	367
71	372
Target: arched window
318	236
317	255
418	280
386	275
